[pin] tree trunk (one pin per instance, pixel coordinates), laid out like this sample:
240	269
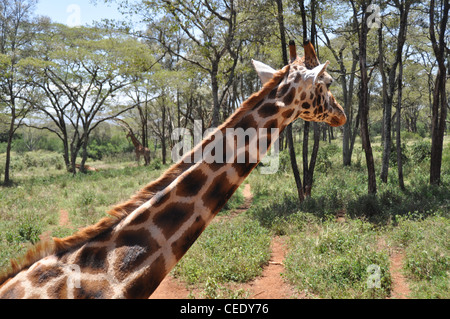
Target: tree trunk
163	135
7	180
84	153
401	182
364	98
66	155
348	141
387	111
439	106
389	84
309	172
215	95
439	113
289	136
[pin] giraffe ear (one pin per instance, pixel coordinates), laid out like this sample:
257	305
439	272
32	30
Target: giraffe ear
316	72
264	71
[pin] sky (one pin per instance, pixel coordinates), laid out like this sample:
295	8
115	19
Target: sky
76	12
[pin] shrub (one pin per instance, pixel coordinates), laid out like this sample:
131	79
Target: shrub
28	230
421	151
156	164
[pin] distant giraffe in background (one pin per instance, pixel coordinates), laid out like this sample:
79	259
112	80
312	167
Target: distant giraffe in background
139	149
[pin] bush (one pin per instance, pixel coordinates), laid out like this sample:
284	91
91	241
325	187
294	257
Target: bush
284	161
421	151
28	230
156	164
37	159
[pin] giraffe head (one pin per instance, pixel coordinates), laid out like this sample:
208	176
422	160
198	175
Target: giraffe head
306	88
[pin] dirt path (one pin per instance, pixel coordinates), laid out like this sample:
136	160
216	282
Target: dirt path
270	285
400	287
64	220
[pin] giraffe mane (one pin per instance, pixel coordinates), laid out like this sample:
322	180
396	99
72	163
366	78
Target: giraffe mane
118	213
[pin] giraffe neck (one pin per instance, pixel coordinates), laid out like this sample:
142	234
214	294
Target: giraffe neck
135	141
131	259
175	217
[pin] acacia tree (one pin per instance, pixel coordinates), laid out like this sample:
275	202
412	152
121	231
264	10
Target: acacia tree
439	106
15	38
360	9
80	74
390	80
343	50
309	166
210	29
289	136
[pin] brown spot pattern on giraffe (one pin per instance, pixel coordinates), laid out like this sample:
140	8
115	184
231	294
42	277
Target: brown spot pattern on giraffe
172	216
145	284
42	274
181	246
191	184
221	186
289	98
59	289
93	289
133	247
92	260
15	292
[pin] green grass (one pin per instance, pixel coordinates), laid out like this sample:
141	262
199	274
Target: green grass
33	204
330	260
333	260
427	246
325	259
228	251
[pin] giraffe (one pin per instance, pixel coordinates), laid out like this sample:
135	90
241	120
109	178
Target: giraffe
139	149
128	254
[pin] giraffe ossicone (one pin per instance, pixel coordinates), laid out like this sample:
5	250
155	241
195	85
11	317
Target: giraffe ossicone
128	254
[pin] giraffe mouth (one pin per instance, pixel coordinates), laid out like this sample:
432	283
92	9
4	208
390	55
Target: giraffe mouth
338	121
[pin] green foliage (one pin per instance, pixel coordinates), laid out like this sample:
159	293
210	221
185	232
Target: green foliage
421	151
229	250
235	201
156	164
98	149
284	161
216	290
35	160
27	229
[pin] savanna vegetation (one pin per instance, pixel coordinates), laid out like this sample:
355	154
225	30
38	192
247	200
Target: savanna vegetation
386	172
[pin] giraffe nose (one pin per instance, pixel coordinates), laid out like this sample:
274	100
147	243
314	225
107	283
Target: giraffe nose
336	122
338	117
